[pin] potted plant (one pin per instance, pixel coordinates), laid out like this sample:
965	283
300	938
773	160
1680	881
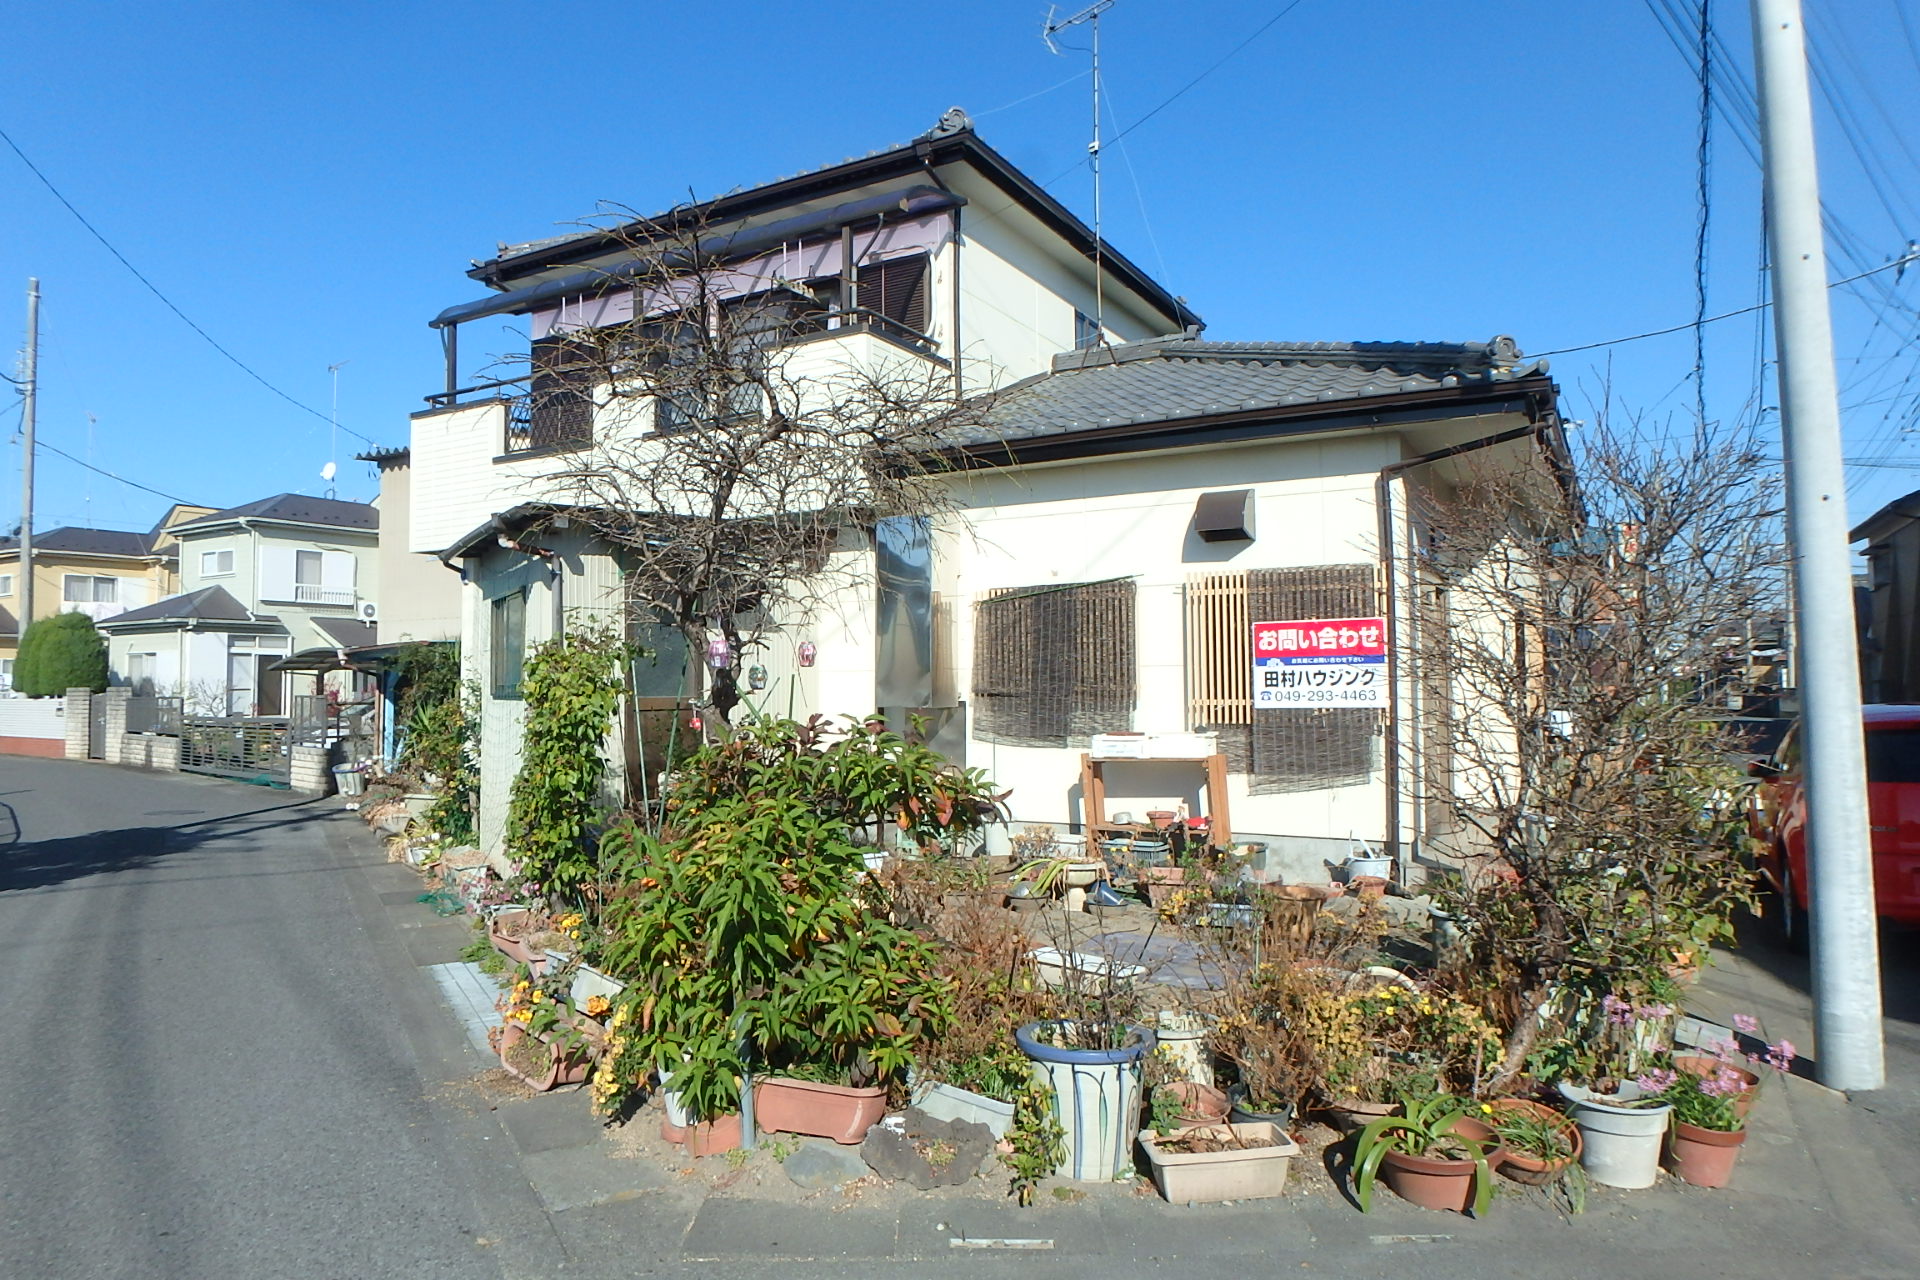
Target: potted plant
982	1089
1538	1144
1093	1068
1621	1115
1214	1162
1434	1155
509	929
539	1043
1710	1102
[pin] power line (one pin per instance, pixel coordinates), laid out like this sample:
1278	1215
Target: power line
1704	197
1177	93
1901	261
135	484
155	291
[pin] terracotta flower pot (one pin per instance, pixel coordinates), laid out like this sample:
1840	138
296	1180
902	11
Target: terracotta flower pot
513	949
1161	818
1431	1183
1200	1104
1352	1113
563	1063
1703	1157
1700	1064
712	1137
1368	888
1523	1166
822	1110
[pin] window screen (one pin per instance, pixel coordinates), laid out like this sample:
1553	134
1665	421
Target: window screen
1053	664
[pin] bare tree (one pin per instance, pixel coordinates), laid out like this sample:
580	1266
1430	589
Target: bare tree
726	449
1583	641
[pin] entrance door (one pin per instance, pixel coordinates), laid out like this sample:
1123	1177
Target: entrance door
267	685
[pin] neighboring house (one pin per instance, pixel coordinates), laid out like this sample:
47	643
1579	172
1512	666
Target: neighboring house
1135	500
419	598
98	572
1890	625
258	584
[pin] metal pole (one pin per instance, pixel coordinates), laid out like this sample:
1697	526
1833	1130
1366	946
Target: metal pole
1846	959
29	396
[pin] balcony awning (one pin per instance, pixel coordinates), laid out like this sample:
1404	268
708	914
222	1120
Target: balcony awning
741	242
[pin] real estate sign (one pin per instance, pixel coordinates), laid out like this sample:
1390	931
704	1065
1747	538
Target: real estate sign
1320	662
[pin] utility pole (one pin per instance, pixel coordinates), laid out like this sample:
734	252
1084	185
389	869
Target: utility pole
29	393
1846	953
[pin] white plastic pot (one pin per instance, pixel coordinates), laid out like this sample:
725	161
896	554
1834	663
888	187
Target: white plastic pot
1621	1144
1183	1044
941	1101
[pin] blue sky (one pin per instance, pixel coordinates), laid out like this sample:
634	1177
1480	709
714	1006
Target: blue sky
307	182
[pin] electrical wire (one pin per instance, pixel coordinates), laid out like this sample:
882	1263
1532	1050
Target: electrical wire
1229	55
155	291
1903	260
1704	197
134	484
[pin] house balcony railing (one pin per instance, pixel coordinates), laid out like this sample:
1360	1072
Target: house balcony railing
305	594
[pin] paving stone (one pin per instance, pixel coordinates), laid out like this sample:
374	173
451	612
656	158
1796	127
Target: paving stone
572	1178
820	1165
552	1122
470	993
731	1228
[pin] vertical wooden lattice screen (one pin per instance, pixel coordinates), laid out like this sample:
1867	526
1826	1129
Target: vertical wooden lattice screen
1053	664
1290	749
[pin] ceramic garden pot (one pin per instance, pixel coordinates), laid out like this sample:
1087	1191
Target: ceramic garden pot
712	1137
1700	1064
1200	1104
1096	1099
544	1062
1703	1157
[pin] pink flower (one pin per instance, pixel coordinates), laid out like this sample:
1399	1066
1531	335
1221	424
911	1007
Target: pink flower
1780	1056
1724	1083
1746	1024
1617	1010
1656	1081
1654	1011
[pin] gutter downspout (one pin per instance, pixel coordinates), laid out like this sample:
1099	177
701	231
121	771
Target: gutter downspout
1383	509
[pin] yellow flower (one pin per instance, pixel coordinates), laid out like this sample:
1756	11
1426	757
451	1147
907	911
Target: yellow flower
1487	1107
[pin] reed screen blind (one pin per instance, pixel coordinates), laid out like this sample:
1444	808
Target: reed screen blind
1053	665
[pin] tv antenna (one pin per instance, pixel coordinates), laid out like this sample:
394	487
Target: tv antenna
333	429
1091	17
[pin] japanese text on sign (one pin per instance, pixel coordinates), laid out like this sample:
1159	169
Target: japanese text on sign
1320	662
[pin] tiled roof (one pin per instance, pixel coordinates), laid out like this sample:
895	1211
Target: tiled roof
1179	377
208	604
87	542
296	507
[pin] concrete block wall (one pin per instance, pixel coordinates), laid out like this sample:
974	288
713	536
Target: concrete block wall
308	773
79	713
146	751
116	703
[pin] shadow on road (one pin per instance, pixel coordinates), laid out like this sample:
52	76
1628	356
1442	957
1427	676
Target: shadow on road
44	863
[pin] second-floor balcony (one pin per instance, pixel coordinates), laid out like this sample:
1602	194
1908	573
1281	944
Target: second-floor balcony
307	593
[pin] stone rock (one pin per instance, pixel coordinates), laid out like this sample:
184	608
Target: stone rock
926	1152
821	1166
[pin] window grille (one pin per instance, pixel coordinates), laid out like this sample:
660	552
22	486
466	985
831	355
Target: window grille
560	412
1283	749
1055	664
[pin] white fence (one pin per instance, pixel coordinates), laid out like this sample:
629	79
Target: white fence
33	718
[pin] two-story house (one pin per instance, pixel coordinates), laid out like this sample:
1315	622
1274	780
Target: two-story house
1131	501
258	583
98	572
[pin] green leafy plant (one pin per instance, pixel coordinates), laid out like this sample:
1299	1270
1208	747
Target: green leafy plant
571	687
1039	1142
60	653
1427	1129
749	918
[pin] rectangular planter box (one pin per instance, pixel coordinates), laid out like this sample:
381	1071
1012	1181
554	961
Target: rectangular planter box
950	1102
1052	965
1203	1177
589	982
822	1110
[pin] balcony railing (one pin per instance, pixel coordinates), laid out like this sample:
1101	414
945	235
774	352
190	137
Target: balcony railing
306	594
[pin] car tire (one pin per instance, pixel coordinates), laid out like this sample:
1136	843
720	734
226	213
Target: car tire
1789	917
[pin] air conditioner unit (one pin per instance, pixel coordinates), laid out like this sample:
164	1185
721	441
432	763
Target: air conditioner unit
369	611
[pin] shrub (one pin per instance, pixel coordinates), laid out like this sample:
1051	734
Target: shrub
60	653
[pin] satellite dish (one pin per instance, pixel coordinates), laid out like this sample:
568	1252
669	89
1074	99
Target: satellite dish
327	472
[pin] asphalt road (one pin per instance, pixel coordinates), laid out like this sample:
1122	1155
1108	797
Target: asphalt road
201	1074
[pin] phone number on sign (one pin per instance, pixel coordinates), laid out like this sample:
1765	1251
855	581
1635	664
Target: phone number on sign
1349	697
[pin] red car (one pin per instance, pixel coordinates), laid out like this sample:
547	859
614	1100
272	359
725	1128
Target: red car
1893	812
